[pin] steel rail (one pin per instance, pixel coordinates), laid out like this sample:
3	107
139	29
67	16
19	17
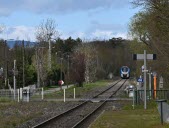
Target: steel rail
77	125
107	89
72	109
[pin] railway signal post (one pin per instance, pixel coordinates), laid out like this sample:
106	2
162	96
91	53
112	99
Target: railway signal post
144	57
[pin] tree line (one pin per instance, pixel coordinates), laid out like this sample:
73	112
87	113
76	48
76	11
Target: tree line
78	61
75	60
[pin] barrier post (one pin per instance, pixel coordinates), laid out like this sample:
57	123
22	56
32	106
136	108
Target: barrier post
42	94
64	94
18	95
27	95
74	94
161	108
133	97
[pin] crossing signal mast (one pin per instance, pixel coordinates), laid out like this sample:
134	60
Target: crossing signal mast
144	57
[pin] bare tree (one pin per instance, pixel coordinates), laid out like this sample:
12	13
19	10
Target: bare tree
90	52
78	68
46	30
44	33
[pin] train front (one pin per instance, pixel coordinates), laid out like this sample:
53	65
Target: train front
125	72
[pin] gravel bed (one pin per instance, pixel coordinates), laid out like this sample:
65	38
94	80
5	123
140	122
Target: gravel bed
75	116
32	113
51	109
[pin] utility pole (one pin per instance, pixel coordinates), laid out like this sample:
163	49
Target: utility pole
14	80
145	96
150	81
23	60
37	63
5	63
68	67
49	61
61	68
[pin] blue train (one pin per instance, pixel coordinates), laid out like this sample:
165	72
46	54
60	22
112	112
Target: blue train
125	72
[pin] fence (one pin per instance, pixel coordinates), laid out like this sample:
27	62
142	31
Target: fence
8	94
23	94
151	94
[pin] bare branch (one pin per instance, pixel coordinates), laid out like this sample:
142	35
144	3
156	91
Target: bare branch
46	30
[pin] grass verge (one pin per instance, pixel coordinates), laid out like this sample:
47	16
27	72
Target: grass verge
80	91
128	117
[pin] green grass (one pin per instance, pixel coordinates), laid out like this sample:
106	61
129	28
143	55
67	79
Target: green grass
49	87
129	118
14	113
4	99
79	90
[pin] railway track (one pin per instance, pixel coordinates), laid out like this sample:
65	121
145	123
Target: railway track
75	117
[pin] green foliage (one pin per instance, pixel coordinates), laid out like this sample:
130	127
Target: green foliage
67	45
150	26
5	100
104	57
30	74
80	91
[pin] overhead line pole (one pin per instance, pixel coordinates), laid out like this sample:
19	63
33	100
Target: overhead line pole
145	96
14	79
5	63
23	59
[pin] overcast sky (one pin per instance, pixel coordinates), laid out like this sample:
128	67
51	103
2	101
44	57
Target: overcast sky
87	19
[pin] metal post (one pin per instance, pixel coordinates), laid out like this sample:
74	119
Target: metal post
150	83
160	102
21	93
5	63
49	62
64	95
133	97
42	94
68	72
14	80
18	95
145	96
161	112
28	95
38	72
74	94
23	59
155	86
61	69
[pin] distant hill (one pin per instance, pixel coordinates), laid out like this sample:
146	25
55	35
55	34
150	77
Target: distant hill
12	42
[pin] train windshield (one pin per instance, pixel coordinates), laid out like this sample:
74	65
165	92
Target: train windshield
124	69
